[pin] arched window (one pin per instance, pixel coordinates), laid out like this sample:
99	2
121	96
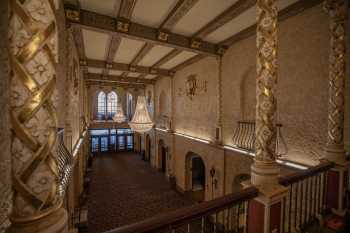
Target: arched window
112	100
129	105
101	106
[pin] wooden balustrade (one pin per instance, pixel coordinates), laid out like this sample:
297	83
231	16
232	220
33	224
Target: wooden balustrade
306	199
225	214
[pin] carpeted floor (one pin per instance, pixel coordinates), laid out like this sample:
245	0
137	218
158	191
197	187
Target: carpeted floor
124	189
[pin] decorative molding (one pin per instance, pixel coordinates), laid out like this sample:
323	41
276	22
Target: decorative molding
125	67
180	10
136	31
162	35
289	11
235	10
196	43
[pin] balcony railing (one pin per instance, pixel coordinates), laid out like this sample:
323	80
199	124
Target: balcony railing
225	214
65	161
244	137
306	200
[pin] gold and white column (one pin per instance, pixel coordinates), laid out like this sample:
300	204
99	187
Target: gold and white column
265	170
337	10
37	205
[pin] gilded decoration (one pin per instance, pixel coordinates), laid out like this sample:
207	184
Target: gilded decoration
123	26
266	80
337	10
196	44
73	15
33	115
163	36
193	87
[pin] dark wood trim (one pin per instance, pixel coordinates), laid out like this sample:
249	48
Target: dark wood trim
180	10
115	78
167	58
126	67
113	83
126	8
232	12
189	62
289	11
143	52
187	214
128	29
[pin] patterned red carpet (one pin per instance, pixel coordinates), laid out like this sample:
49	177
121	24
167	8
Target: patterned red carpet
124	189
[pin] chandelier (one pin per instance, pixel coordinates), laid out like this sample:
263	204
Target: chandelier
141	121
119	116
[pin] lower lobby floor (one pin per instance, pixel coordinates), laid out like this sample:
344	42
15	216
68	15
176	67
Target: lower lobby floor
124	189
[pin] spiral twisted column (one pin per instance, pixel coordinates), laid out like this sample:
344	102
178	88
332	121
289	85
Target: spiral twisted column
218	130
337	11
264	169
37	205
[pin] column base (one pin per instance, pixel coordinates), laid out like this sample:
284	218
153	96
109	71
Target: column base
56	222
264	173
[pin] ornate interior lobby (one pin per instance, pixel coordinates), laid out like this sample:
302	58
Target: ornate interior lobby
175	116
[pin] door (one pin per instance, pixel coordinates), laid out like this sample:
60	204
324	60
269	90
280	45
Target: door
121	143
104	143
94	144
163	159
130	142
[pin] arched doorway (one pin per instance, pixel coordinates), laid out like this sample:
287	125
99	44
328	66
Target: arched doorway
148	147
195	176
162	156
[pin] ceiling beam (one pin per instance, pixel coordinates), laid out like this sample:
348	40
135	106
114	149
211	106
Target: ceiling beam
125	11
128	29
167	58
143	52
79	42
287	12
111	83
180	10
232	12
126	8
126	67
189	62
115	78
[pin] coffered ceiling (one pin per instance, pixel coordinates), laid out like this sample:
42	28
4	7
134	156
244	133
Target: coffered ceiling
136	41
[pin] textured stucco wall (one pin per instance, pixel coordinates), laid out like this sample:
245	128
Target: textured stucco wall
5	156
302	92
197	117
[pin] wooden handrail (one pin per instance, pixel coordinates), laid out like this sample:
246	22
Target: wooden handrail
298	176
187	214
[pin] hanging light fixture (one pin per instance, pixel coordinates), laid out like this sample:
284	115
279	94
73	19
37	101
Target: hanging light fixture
141	121
119	116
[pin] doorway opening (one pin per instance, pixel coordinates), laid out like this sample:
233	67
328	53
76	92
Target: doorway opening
195	176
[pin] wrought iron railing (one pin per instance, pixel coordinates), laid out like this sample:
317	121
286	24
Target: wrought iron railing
225	214
306	200
244	137
65	162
